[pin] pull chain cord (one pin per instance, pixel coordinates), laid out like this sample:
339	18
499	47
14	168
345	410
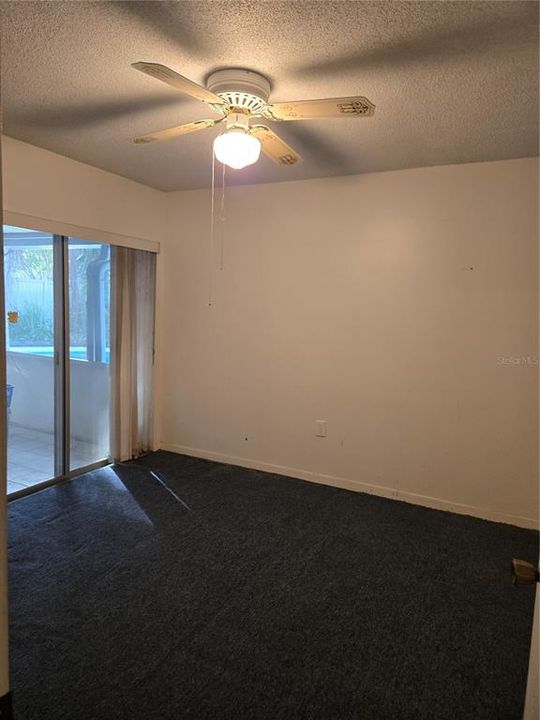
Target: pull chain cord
222	220
211	273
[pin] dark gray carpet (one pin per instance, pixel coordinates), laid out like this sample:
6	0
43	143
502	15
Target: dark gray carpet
214	592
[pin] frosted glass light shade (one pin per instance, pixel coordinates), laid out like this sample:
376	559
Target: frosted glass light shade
237	149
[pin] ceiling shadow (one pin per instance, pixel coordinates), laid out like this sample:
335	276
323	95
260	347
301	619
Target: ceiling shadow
91	113
465	40
314	147
168	19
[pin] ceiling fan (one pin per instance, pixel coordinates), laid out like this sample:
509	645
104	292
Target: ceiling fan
241	96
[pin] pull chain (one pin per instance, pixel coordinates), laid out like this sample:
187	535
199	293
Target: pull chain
222	219
211	273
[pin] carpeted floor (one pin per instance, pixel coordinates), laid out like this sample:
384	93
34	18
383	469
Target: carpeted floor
212	592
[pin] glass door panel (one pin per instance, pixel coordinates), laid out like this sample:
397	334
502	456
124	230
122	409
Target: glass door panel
29	270
89	351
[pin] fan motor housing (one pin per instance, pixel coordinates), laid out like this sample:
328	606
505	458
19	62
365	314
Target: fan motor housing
242	89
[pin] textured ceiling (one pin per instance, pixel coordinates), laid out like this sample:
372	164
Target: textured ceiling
452	81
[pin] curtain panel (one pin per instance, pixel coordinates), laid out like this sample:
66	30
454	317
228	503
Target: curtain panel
133	280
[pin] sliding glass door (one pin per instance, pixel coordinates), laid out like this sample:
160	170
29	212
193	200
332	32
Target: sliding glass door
29	261
57	296
89	352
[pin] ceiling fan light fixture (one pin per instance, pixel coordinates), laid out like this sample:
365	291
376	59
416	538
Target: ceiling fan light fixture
236	149
239	95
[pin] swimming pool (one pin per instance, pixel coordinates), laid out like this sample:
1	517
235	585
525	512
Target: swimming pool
75	353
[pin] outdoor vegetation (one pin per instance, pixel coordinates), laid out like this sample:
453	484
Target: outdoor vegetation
29	292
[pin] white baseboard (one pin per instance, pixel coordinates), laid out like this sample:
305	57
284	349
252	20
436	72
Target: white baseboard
346	484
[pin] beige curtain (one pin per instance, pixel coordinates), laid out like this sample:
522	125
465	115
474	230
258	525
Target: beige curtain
133	274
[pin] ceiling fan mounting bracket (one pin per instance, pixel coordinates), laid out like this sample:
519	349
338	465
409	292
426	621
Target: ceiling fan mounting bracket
243	90
237	121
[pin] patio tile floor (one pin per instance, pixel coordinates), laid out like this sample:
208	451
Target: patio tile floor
31	457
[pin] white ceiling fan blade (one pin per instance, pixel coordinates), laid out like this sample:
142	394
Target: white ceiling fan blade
274	147
166	75
340	107
173	132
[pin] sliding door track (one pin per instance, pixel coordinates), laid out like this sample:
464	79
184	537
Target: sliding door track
23	492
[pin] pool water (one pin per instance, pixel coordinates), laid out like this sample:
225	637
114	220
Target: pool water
75	353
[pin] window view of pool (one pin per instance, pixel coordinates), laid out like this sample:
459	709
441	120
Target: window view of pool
30	303
75	353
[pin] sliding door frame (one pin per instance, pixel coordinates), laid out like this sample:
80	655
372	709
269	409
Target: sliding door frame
54	481
61	356
62	382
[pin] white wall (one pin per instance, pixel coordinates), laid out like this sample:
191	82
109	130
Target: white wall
42	184
381	303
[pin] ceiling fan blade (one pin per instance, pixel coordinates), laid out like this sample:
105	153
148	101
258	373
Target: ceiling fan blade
274	147
173	132
166	75
356	106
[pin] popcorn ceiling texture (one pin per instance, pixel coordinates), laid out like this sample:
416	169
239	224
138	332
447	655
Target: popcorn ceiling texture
453	82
